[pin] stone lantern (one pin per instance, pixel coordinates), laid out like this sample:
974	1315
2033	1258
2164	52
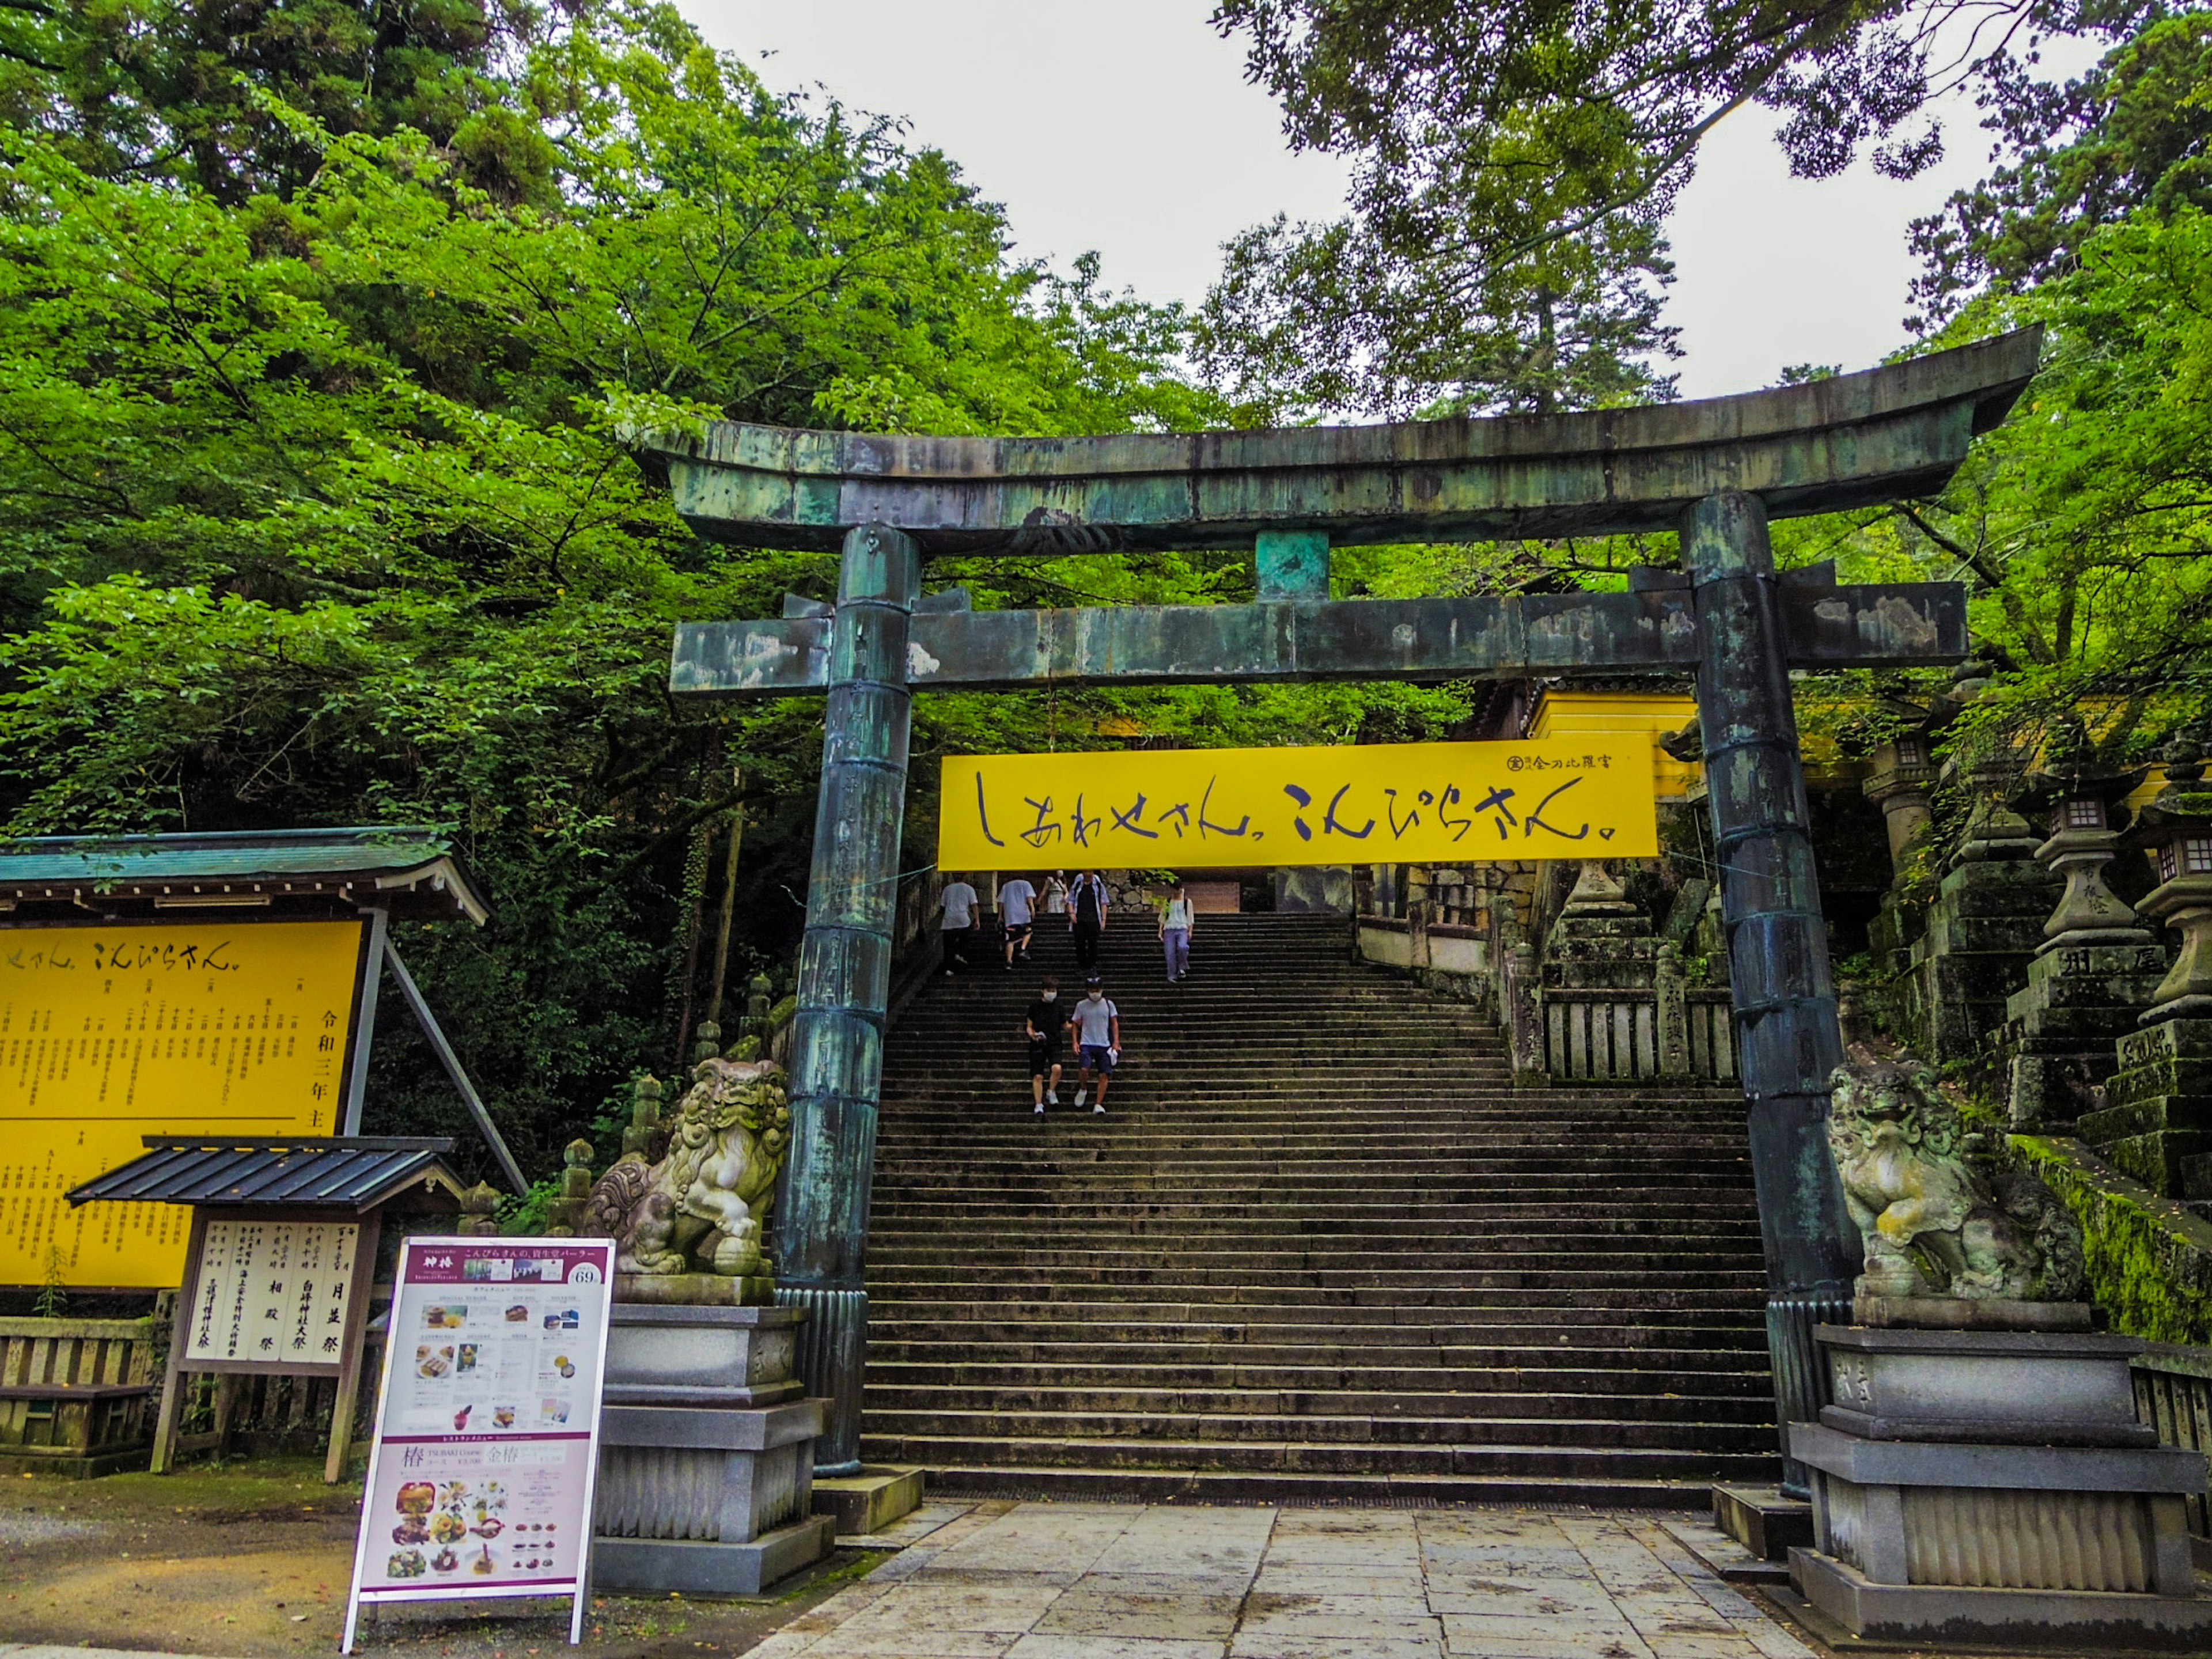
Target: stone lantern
2157	1122
1903	784
2098	965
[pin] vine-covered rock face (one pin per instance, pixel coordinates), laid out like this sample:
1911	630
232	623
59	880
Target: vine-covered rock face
1932	1224
699	1208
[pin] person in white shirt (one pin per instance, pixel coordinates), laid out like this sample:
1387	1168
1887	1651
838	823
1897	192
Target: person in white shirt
958	901
1054	901
1098	1040
1175	934
1017	909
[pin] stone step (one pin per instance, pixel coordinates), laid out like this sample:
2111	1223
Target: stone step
888	1347
1299	1457
1747	1297
1594	1384
1154	1485
1720	1326
1324	1418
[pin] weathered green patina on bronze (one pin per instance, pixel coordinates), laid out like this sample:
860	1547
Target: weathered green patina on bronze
1854	441
1715	470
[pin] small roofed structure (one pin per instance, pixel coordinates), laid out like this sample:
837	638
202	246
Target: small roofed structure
411	873
361	1172
287	1235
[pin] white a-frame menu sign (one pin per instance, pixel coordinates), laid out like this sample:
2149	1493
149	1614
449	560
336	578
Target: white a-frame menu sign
480	1481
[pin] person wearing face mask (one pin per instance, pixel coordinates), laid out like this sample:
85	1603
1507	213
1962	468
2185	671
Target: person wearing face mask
1099	1038
1086	914
1046	1017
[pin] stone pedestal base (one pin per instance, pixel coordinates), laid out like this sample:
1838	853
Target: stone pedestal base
1981	933
686	1567
706	1466
2079	1000
1762	1520
1995	1487
869	1501
2158	1106
2073	1621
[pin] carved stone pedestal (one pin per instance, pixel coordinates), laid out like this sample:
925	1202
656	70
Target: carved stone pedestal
706	1480
1995	1487
2157	1122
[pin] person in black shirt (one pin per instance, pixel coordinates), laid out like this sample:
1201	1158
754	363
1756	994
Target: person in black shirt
1046	1017
1086	908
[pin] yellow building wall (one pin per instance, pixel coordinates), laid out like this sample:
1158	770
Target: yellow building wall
1597	715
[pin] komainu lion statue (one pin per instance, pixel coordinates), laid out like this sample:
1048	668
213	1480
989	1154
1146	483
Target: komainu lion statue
1930	1224
699	1209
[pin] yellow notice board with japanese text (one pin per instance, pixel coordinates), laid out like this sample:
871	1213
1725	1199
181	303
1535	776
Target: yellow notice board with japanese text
111	1033
1188	809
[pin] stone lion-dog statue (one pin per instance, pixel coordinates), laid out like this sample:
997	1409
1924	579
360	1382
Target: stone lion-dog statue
700	1208
1930	1227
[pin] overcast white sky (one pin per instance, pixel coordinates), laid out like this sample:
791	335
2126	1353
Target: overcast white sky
1128	128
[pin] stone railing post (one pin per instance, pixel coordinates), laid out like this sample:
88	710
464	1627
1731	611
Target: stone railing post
1788	1039
1671	988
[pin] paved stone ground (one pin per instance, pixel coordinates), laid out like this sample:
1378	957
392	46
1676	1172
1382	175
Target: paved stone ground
1101	1581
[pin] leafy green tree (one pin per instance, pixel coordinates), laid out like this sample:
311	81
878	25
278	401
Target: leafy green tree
2132	134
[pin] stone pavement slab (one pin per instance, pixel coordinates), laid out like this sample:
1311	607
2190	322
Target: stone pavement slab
1105	1581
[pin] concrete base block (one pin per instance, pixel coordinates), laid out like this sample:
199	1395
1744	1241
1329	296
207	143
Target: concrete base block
659	1566
1762	1520
2071	1621
869	1501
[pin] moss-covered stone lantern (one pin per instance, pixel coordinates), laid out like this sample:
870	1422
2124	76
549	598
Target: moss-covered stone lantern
2098	965
2157	1122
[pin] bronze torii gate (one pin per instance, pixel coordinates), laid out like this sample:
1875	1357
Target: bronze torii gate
1715	470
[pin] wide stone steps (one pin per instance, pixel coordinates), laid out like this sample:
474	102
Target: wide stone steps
1560	1464
1318	1246
1343	1322
1317	1418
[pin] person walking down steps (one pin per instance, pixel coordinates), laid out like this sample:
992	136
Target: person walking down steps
1086	909
958	900
1175	935
1046	1017
1098	1042
1017	909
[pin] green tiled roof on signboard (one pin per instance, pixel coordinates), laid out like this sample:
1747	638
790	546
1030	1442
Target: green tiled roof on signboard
395	861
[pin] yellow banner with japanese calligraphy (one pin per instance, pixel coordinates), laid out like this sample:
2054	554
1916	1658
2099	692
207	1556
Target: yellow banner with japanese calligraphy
1190	809
108	1034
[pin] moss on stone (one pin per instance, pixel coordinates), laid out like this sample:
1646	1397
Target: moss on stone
2149	1260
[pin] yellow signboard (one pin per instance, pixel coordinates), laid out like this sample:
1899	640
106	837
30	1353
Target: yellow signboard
1188	808
110	1033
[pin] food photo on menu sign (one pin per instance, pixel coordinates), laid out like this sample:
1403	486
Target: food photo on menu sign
485	1435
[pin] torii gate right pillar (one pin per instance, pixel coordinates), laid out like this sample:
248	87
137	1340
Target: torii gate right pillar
1787	1039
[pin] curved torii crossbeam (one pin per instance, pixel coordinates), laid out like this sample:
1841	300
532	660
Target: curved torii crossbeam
1714	470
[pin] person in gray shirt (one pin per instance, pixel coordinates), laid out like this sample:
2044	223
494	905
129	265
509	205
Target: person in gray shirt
1098	1040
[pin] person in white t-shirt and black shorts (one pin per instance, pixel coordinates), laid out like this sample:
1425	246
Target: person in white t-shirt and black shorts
958	901
1017	910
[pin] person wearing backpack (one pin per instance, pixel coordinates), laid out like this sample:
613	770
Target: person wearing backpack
1086	908
1175	917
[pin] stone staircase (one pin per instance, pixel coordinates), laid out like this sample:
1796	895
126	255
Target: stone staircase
1318	1248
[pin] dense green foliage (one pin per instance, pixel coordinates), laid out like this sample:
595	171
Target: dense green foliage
312	510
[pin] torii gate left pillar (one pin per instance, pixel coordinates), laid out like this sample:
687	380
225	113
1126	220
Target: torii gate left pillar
844	978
